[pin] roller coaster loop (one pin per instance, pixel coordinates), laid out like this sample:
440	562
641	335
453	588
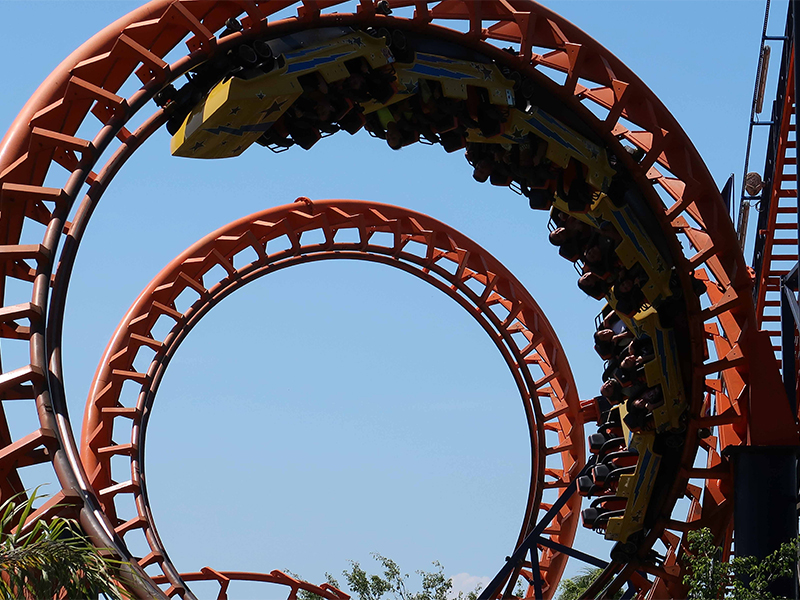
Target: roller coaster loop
387	235
726	388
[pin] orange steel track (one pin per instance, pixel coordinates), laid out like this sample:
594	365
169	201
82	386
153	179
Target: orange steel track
224	578
734	386
389	235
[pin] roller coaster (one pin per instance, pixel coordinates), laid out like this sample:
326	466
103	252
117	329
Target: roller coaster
692	404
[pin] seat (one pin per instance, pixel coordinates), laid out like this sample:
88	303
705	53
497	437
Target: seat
586	486
452	141
353	121
596	441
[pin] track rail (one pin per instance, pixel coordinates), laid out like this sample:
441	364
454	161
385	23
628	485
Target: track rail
387	235
734	389
224	579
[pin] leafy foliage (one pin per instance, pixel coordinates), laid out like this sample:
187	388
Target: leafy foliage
709	577
393	583
743	578
307	595
435	586
574	587
52	559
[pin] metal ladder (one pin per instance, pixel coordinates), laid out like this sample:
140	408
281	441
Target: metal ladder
776	242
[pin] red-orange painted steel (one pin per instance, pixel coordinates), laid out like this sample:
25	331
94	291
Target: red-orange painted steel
733	377
778	250
224	578
443	257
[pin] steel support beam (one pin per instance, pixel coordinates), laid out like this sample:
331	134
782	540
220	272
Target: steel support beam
790	318
765	504
793	42
530	541
587	558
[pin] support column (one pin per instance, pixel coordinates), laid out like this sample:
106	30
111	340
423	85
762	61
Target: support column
765	504
795	36
790	316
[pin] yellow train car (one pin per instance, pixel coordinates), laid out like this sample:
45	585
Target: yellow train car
237	112
454	76
563	143
636	248
620	512
636	488
662	370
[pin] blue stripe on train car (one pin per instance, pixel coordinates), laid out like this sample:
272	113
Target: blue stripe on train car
555	123
534	122
637	223
437	72
434	58
304	51
662	352
240	130
643	469
623	221
315	62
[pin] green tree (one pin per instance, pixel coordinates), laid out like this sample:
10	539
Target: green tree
393	583
708	577
51	559
305	594
574	587
435	586
742	578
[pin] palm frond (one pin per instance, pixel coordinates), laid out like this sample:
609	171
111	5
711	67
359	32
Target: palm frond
51	559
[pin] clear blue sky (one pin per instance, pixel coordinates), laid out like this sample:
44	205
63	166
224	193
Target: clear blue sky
336	409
